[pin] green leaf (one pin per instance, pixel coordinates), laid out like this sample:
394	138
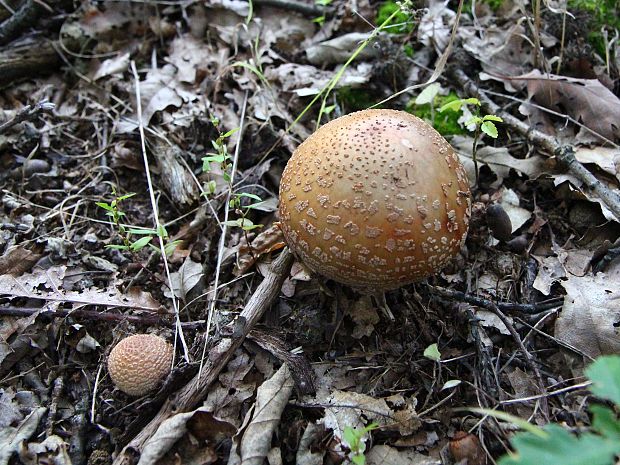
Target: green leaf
451	383
105	206
492	118
249	196
560	447
359	459
432	352
125	197
161	231
428	94
605	376
523	424
328	109
117	247
229	133
489	128
141	231
455	105
141	243
352	437
605	422
211	186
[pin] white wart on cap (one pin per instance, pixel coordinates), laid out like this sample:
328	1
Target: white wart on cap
139	363
375	199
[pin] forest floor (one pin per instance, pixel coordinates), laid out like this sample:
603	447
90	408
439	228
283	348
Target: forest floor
105	168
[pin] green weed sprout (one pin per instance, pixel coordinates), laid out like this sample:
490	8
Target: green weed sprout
485	124
320	20
115	214
222	158
354	436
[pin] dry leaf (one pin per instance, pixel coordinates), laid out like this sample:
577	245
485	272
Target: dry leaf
253	442
47	285
382	455
585	100
590	317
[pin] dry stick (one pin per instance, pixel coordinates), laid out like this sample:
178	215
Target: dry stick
194	392
29	112
528	357
533	309
564	154
298	7
147	320
25	17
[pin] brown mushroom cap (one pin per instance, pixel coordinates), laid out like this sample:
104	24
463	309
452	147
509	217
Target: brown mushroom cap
139	363
375	199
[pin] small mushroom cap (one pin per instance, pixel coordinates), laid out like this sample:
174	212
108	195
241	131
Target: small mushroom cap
375	199
139	363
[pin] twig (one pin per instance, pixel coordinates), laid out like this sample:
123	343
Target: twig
564	154
485	358
503	306
29	113
528	357
299	7
146	320
27	15
194	392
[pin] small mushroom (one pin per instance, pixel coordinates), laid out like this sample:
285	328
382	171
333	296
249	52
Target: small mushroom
139	363
375	199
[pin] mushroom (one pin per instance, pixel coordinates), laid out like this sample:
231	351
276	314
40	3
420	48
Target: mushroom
139	363
375	199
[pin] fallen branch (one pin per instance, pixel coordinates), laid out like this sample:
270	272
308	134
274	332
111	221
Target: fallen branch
503	306
564	154
94	315
29	112
195	391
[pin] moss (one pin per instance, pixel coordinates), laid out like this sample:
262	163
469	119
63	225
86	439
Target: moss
355	99
386	9
603	13
446	123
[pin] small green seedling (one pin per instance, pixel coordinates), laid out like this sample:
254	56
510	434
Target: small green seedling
235	204
354	437
126	232
221	155
485	124
320	20
222	158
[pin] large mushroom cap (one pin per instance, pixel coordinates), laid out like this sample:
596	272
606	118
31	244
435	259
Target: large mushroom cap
375	199
139	363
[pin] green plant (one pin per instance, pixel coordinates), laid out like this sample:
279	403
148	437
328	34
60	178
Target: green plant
221	156
320	20
425	107
476	123
354	437
223	159
605	14
554	445
354	99
125	232
399	23
242	210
